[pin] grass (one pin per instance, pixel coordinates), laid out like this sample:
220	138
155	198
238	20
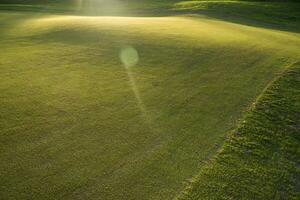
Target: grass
78	124
260	159
276	15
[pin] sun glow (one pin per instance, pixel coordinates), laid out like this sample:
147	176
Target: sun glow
102	7
129	57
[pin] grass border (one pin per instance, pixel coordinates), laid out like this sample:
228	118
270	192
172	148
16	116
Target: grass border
260	159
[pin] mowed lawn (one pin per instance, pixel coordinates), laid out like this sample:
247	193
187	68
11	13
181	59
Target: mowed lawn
78	123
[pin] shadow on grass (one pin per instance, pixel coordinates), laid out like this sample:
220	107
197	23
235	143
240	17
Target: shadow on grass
283	16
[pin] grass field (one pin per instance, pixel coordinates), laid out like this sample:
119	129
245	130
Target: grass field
260	160
126	107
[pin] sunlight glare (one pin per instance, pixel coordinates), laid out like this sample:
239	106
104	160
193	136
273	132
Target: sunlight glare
129	56
102	7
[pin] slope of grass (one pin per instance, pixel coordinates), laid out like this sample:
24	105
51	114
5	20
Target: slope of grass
283	15
271	14
78	124
260	160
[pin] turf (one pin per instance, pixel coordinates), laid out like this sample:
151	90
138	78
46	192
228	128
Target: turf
260	160
283	15
76	123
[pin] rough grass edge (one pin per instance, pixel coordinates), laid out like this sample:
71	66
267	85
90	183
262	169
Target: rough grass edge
260	158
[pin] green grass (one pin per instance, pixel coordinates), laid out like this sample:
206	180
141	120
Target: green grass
78	124
275	15
260	160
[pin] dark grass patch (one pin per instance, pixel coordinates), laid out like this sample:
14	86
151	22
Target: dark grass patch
261	159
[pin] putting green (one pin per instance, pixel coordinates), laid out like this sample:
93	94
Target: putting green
123	107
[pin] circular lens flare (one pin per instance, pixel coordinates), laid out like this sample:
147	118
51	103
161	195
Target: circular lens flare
129	56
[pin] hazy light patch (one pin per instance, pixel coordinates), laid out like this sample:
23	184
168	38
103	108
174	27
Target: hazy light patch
129	56
103	7
136	92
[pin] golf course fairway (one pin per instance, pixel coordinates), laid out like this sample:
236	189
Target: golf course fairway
121	107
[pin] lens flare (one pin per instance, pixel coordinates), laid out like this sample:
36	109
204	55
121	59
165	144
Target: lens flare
129	56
